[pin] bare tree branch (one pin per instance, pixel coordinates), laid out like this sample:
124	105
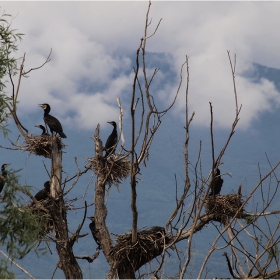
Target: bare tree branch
16	264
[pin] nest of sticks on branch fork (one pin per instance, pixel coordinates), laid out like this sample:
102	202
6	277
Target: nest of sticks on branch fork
115	168
224	206
41	145
42	212
150	243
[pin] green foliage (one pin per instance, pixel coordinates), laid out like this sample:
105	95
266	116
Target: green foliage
4	271
4	115
8	64
8	44
19	227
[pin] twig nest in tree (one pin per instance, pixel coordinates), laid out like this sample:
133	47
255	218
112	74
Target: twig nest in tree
115	168
150	243
224	206
41	210
41	145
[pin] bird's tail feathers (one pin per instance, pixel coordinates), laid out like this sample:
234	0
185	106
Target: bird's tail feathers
62	135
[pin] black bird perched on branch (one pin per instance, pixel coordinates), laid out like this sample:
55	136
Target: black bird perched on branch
111	143
93	230
43	129
43	194
3	176
217	183
52	122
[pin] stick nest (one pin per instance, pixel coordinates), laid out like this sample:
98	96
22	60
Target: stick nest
41	210
41	145
150	243
224	206
115	168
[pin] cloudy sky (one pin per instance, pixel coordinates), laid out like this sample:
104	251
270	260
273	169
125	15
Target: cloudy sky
92	56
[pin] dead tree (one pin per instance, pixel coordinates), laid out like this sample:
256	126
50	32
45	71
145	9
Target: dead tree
134	249
131	250
55	208
127	255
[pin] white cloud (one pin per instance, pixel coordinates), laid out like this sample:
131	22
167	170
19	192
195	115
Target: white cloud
204	32
91	42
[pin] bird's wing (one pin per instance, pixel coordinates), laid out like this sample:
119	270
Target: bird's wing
53	122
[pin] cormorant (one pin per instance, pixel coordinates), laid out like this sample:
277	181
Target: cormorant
111	143
43	194
217	183
93	230
43	129
51	121
3	176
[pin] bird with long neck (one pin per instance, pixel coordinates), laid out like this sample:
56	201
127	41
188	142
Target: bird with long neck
3	176
216	184
111	143
52	122
44	193
43	129
93	230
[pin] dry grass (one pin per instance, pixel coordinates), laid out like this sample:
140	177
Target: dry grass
223	206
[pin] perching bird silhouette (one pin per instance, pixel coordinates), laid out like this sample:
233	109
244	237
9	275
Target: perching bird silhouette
93	230
111	143
217	183
44	193
52	122
43	129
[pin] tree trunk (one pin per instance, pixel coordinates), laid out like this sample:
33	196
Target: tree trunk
127	274
67	261
56	169
134	208
100	214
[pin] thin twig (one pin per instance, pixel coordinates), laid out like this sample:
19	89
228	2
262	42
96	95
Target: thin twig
16	264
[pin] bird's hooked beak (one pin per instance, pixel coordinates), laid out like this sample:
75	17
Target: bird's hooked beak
42	106
7	164
91	218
